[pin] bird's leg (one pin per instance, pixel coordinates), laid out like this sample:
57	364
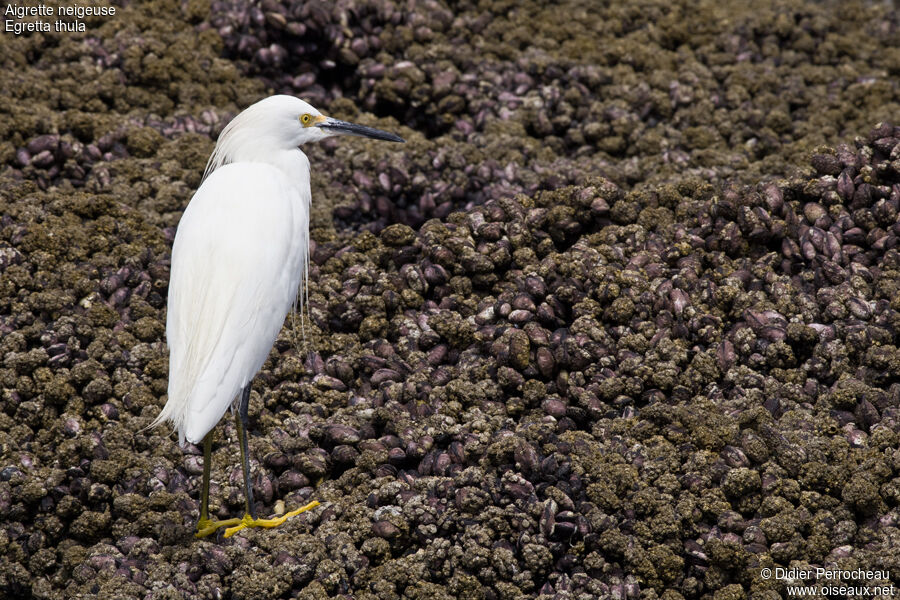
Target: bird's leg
205	526
204	491
241	420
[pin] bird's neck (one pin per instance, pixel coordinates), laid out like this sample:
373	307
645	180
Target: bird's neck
293	163
244	146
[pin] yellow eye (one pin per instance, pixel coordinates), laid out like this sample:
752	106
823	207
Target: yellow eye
305	119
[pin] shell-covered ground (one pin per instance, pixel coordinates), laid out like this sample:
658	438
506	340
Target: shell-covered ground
618	320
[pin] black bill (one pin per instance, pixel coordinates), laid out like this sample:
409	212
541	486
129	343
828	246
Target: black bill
344	128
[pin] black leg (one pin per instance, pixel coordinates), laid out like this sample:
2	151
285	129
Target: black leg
204	491
240	420
207	527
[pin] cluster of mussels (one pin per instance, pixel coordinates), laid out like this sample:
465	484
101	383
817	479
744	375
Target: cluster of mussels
583	393
512	380
519	100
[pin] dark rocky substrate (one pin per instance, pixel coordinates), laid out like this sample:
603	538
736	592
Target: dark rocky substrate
619	320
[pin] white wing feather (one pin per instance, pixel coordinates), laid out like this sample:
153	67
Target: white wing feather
237	261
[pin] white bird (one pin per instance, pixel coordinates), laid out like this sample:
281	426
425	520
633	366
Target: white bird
241	254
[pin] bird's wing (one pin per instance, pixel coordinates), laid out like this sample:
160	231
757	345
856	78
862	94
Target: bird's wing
236	265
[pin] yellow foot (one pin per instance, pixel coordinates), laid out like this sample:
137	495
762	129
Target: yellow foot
249	521
207	527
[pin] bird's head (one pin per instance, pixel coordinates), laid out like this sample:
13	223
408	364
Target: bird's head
280	123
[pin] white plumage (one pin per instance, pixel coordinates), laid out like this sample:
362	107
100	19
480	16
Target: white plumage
237	263
239	257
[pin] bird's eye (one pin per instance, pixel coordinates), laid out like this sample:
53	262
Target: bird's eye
305	119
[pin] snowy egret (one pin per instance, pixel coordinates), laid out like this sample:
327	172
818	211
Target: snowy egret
241	254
